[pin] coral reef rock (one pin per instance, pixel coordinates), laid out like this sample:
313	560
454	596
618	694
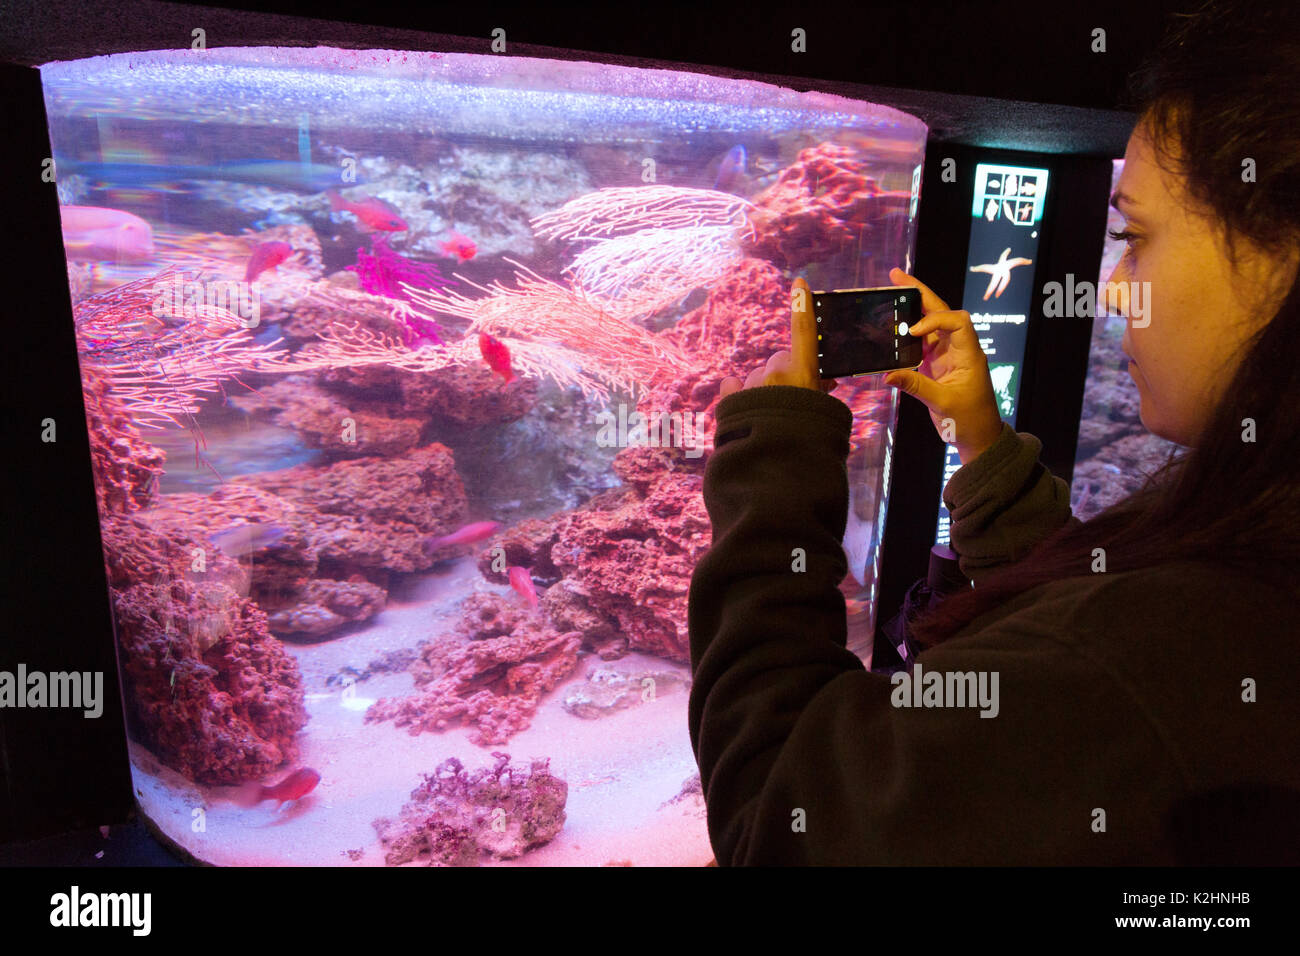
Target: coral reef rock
372	513
208	690
606	691
457	818
821	205
491	679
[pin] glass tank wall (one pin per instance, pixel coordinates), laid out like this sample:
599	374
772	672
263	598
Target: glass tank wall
400	371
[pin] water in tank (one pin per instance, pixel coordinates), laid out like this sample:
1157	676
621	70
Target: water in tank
399	372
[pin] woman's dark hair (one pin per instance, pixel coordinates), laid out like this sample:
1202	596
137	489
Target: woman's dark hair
1223	86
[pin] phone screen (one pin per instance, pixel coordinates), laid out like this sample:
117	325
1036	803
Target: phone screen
861	331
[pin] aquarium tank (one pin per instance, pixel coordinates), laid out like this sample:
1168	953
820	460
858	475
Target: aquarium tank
400	372
1115	453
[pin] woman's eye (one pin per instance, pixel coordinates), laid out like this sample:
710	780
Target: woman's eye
1122	234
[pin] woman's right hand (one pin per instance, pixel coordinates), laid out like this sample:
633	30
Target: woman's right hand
953	379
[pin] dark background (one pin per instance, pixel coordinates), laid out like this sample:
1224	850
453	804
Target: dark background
994	75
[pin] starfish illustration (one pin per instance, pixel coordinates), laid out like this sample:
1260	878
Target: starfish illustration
1000	272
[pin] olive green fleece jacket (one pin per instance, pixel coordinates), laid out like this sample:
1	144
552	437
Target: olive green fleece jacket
1119	697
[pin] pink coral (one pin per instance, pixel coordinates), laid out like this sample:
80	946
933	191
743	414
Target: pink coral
382	272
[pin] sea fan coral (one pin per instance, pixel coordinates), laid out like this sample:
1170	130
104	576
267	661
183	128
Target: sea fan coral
543	311
349	344
164	345
624	209
643	272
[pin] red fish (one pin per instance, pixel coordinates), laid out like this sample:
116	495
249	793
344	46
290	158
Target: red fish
470	533
297	784
497	356
459	246
374	214
522	582
267	255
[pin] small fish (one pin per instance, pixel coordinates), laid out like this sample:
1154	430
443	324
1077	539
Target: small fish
267	255
97	234
300	177
497	356
522	582
247	538
469	534
1028	188
731	169
994	183
293	787
459	246
372	213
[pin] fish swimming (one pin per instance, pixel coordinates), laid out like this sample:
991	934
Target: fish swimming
299	177
293	787
244	540
468	534
731	169
459	246
267	255
522	582
373	214
497	356
97	234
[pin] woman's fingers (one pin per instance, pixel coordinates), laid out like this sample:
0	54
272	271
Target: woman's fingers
929	301
922	387
803	336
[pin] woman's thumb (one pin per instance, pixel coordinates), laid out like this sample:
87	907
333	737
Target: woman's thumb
902	380
914	384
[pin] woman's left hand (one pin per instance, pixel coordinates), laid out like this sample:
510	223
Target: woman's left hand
798	366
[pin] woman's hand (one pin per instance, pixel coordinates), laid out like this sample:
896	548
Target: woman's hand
799	365
953	380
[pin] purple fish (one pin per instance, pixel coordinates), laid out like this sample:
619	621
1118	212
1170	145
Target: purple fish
247	538
731	169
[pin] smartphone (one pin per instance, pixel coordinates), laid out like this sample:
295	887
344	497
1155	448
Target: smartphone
861	331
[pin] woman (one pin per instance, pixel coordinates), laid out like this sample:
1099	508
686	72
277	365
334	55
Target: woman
1121	691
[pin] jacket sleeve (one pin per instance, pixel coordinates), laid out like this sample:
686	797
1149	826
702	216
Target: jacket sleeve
803	756
1003	503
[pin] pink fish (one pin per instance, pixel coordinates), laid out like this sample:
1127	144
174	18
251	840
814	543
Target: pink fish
96	234
459	246
469	534
267	255
522	582
497	356
297	784
374	214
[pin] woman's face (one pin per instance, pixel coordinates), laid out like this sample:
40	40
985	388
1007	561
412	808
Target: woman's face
1191	310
